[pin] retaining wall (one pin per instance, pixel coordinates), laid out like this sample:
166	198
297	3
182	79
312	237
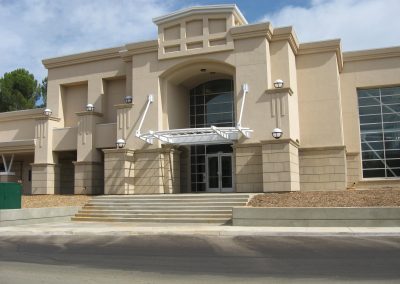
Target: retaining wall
317	217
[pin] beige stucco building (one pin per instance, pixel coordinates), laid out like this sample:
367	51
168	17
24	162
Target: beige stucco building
203	109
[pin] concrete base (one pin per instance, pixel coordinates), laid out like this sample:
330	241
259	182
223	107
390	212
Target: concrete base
12	217
317	217
89	178
9	177
45	178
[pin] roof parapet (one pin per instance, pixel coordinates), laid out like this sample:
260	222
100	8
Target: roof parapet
286	33
323	46
83	57
371	54
208	9
255	30
138	48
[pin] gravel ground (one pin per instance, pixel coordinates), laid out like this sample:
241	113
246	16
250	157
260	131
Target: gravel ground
38	201
348	198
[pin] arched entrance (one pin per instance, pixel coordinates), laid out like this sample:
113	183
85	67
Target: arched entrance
211	165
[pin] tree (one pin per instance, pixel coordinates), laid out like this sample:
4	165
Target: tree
18	90
42	94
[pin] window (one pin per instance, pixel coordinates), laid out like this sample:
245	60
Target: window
379	111
211	103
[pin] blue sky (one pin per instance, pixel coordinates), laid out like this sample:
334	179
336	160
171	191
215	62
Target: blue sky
31	30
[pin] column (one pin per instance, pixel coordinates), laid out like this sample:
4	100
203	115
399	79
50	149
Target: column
89	166
45	177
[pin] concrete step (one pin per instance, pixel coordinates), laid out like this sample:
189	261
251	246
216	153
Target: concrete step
166	200
159	207
153	215
166	211
174	196
155	220
166	204
190	208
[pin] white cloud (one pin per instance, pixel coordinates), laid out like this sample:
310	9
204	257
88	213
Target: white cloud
31	30
360	24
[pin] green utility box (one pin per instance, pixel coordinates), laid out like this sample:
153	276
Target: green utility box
10	195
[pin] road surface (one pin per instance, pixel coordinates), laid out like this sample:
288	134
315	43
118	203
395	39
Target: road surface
191	259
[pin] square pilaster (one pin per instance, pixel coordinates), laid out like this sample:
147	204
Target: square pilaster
45	178
88	178
280	166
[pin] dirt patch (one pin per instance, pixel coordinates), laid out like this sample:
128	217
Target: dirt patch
348	198
38	201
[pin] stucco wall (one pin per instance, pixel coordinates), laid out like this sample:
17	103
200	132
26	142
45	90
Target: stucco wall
319	100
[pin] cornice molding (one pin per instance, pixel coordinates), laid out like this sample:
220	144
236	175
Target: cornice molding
323	46
17	146
21	114
288	34
84	57
322	148
138	48
371	54
281	141
279	91
248	31
94	113
209	9
121	106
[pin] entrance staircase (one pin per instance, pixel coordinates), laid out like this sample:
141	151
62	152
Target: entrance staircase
175	208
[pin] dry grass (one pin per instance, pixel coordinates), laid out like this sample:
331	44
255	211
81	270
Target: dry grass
38	201
348	198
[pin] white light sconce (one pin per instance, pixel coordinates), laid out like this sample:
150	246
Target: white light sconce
47	112
89	107
245	87
278	83
128	99
277	133
120	143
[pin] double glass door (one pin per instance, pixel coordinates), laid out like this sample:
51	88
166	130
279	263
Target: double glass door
219	172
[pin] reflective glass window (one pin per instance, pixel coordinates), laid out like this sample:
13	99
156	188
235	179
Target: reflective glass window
379	111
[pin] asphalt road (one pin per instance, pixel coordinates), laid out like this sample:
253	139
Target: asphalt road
191	259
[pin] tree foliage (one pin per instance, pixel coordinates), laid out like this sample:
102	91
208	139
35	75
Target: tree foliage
42	94
18	90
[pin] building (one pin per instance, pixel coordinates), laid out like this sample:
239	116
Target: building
194	111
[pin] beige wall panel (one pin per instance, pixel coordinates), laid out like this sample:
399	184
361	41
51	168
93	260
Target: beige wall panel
106	135
323	169
319	100
172	33
64	139
17	130
363	74
194	28
177	107
114	93
217	25
74	99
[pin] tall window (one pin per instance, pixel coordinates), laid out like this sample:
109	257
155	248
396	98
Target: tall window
379	111
211	103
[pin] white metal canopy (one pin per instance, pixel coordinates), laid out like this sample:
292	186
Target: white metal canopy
192	136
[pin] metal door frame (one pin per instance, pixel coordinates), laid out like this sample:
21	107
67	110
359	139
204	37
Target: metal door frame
220	188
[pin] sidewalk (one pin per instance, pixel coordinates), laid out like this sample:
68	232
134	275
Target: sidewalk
127	229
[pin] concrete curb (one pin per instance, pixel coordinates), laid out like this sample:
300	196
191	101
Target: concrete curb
10	217
115	229
317	217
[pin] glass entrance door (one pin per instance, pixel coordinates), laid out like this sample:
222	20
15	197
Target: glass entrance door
219	172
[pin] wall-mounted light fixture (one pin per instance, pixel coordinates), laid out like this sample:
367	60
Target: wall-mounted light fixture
89	107
47	112
278	83
120	143
277	133
128	99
